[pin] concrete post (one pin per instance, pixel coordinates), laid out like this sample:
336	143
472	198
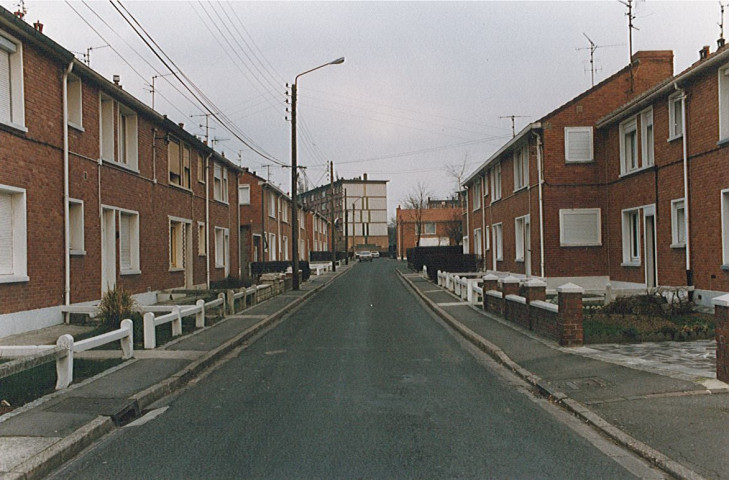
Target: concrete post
570	315
64	364
230	294
440	282
509	286
200	316
127	343
721	320
177	322
535	290
150	339
222	295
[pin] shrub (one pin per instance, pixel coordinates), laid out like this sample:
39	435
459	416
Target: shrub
116	305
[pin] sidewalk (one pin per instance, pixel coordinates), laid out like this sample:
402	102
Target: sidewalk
42	435
672	414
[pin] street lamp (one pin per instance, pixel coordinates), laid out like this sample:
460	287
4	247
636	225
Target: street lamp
294	176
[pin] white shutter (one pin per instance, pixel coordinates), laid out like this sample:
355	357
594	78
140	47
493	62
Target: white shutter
6	234
125	241
5	90
580	227
578	144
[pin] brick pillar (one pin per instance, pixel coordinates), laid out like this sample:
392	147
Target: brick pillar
509	286
490	282
569	322
535	290
721	319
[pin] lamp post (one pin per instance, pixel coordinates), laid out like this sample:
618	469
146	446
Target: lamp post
294	176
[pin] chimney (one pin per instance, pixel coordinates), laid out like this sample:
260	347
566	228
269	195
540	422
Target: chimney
181	125
116	79
704	53
364	175
720	43
38	26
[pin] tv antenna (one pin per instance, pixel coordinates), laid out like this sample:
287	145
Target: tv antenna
631	27
593	46
87	55
512	117
721	22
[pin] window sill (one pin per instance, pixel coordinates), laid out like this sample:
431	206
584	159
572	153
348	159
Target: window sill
725	268
219	267
678	245
630	264
202	254
80	128
77	253
520	188
578	162
224	202
130	272
636	171
15	126
14	278
676	137
114	163
180	187
176	269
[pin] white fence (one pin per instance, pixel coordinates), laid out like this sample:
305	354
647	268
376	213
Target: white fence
177	313
468	286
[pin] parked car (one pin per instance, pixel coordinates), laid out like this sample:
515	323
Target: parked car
364	256
375	254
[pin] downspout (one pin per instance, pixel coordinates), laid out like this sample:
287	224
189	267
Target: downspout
468	223
66	188
240	260
484	231
207	221
541	204
684	141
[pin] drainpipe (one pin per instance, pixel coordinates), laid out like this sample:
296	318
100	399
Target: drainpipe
207	221
468	223
684	141
484	232
237	181
541	204
66	220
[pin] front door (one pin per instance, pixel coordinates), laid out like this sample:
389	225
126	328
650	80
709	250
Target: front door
651	275
108	249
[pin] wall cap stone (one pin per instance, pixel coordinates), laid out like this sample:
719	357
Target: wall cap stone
570	288
510	279
722	301
490	277
535	283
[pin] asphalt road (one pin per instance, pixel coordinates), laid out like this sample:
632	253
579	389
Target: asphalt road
361	382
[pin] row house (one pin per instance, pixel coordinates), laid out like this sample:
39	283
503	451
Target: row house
436	226
667	182
535	207
98	190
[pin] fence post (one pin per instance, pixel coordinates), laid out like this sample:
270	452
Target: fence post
231	301
177	322
222	307
64	364
721	319
509	286
127	343
570	315
244	297
200	316
150	338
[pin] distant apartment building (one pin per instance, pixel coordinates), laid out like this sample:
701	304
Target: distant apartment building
366	208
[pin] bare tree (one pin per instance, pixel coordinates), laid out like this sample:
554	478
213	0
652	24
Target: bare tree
417	201
454	228
457	171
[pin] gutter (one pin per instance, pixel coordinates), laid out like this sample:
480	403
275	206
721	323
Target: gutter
66	213
207	220
684	141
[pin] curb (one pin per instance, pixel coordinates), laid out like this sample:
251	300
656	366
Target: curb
576	408
68	447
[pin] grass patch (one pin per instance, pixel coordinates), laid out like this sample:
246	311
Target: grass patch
36	382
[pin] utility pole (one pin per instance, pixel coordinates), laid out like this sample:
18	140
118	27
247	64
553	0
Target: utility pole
593	46
294	193
206	115
631	27
152	89
346	229
331	215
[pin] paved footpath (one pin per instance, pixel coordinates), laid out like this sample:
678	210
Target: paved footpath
657	399
40	436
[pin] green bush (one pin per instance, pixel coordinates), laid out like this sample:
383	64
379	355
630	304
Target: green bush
116	305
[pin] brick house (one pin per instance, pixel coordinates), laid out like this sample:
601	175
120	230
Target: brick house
439	225
148	205
535	206
317	233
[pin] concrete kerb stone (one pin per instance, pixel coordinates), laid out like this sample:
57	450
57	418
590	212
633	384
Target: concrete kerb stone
560	398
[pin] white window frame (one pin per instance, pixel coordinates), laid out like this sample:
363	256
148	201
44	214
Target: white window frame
285	247
521	247
631	220
272	247
429	228
675	122
202	239
177	257
74	89
723	92
222	248
477	242
678	223
571	157
14	50
244	194
477	194
272	204
465	245
17	238
647	138
629	162
284	211
128	138
201	168
220	183
497	230
76	227
132	268
107	122
564	219
521	167
725	228
496	182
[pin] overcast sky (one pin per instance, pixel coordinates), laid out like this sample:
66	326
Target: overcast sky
424	85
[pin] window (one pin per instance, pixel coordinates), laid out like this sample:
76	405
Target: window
429	228
629	146
477	243
477	193
13	235
221	247
202	242
580	227
520	229
244	194
106	128
128	151
496	182
678	224
675	116
129	242
631	237
724	227
178	155
285	246
498	243
272	247
76	227
12	103
465	245
177	245
521	167
200	168
646	137
272	204
284	211
578	144
75	102
220	183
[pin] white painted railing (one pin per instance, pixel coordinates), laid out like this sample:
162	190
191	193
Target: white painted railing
320	268
177	313
425	271
67	310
